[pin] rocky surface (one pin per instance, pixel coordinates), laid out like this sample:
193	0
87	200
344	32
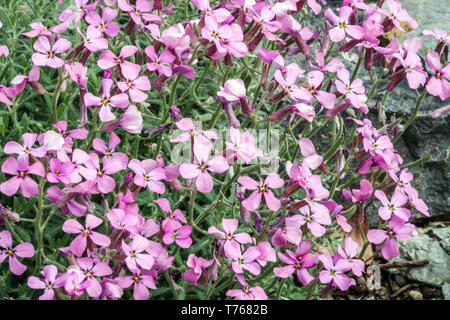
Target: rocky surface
422	246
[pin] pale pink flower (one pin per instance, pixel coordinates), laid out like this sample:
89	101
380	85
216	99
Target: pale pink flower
232	239
393	207
24	150
23	250
106	101
397	229
108	152
245	261
93	41
21	171
78	245
255	293
298	262
51	282
262	192
105	22
335	273
91	272
141	284
343	27
199	169
180	235
135	259
47	52
148	174
107	59
162	64
134	84
198	266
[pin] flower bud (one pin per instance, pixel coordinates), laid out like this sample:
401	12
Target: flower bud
175	113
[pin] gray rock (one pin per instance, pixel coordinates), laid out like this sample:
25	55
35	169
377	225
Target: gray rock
445	244
401	281
436	273
442	233
446	291
428	14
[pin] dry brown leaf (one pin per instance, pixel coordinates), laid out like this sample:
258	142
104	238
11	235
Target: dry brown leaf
355	234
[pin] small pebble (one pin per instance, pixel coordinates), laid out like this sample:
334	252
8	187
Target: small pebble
415	295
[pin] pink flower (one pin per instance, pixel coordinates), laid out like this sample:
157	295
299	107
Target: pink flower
415	201
174	219
121	220
93	41
48	51
134	85
290	88
255	293
28	140
104	23
38	29
349	252
140	11
148	174
354	91
234	90
108	152
106	101
186	124
438	85
245	261
397	15
440	112
4	51
289	233
78	245
65	200
141	284
91	272
393	207
315	216
60	171
360	195
199	169
23	250
79	159
107	60
397	229
32	79
335	273
197	265
180	235
77	73
76	282
104	182
134	258
232	240
51	282
243	146
262	192
162	64
315	79
21	170
298	262
131	121
311	158
343	27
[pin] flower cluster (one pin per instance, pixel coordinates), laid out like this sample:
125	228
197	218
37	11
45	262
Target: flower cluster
131	219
